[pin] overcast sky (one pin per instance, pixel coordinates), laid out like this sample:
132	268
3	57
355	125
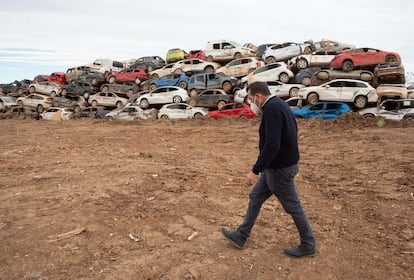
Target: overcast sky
43	36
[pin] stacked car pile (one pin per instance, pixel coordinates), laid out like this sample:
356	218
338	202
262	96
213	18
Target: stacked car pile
187	85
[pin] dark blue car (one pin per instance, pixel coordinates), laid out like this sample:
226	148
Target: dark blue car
322	110
178	80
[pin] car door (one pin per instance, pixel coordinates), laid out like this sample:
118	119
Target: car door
159	96
233	68
227	50
331	91
331	111
226	111
213	81
206	98
275	87
350	90
314	111
390	110
109	99
290	50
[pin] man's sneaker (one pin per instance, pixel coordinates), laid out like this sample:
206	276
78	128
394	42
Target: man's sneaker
299	252
234	237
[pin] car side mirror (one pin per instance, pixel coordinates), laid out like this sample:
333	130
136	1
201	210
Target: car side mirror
382	107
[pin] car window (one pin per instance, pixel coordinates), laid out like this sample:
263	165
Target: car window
407	104
216	46
360	85
316	107
337	84
234	62
238	105
262	69
273	83
199	78
333	106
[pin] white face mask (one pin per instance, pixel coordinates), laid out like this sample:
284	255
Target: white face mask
255	109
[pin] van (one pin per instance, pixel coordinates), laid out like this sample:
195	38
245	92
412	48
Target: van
223	51
105	66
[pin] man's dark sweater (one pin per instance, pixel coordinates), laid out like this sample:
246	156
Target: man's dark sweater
278	137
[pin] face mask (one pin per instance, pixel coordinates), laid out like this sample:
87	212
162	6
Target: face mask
255	109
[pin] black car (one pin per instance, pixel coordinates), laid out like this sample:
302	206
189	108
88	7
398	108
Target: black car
123	90
304	76
94	78
79	88
261	49
17	88
148	63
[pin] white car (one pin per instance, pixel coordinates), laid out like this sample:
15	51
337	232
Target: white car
270	72
343	90
109	99
161	72
195	65
7	102
275	87
181	111
223	50
130	113
47	88
240	67
295	103
321	59
162	95
285	51
57	113
392	109
331	45
35	100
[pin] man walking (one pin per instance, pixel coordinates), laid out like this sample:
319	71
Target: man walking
277	165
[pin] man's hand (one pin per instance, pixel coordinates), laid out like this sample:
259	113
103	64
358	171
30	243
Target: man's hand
251	178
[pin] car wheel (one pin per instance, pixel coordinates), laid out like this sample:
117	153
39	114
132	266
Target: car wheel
110	118
150	69
209	58
164	117
226	86
94	81
360	101
182	85
366	77
369	116
323	75
293	92
221	104
77	109
94	103
112	80
178	71
40	108
347	65
137	81
408	118
105	89
32	89
390	59
53	94
306	81
198	116
63	93
177	99
192	102
154	76
20	104
250	70
284	77
243	117
270	59
86	95
193	92
118	104
209	69
312	98
301	63
237	55
153	86
144	104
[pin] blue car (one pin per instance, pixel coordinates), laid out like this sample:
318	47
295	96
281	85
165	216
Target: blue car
322	110
178	80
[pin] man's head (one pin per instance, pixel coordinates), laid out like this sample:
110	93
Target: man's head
257	93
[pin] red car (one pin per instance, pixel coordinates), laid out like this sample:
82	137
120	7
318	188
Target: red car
235	110
363	57
195	54
57	78
136	75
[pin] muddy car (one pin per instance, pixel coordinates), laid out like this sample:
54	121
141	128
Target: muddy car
327	75
385	73
124	90
79	88
391	91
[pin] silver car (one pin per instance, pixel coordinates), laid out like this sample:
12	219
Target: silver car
181	111
392	109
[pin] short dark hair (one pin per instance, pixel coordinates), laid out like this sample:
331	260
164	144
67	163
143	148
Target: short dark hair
258	87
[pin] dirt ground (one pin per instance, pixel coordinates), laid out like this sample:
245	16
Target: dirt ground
87	199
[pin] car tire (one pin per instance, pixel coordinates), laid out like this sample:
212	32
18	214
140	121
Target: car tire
77	109
177	99
312	98
153	76
95	103
390	59
360	102
144	104
306	81
32	89
302	63
20	104
118	104
209	69
63	93
408	118
192	102
347	66
226	86
368	116
112	80
164	117
182	85
153	86
243	117
284	77
210	58
270	60
130	93
105	89
221	104
178	71
53	94
237	55
366	77
293	92
198	116
94	81
322	75
193	92
40	108
110	119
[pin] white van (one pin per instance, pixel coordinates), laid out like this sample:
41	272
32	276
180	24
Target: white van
106	66
224	51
